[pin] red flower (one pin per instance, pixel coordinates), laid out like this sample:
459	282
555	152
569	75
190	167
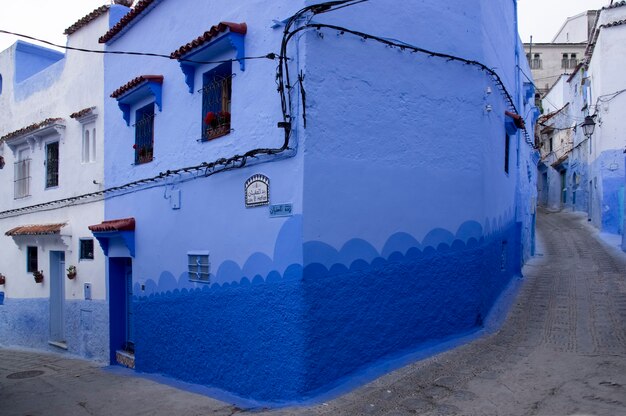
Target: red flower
135	146
210	118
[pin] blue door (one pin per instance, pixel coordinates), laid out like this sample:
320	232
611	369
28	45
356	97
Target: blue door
57	297
121	306
130	333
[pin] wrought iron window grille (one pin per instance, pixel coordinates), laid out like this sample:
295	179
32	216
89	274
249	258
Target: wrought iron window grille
52	165
216	104
144	137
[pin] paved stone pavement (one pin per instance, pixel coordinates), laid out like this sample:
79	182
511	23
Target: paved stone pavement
561	351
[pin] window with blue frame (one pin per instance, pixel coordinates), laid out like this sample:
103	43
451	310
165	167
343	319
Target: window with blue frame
144	134
86	249
216	99
31	259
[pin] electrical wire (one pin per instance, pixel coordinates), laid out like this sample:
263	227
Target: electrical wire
403	45
283	85
270	55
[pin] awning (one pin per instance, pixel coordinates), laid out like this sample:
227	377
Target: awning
40	229
124	224
115	232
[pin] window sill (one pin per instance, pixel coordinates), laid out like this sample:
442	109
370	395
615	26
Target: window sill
58	344
143	162
217	133
206	282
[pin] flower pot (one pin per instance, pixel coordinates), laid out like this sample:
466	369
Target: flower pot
38	276
71	275
2	279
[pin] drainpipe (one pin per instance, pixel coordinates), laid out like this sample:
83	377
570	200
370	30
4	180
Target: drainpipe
517	77
518	192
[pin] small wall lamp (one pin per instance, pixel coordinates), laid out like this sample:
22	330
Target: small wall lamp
588	126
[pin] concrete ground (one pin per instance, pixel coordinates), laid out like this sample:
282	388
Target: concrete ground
561	351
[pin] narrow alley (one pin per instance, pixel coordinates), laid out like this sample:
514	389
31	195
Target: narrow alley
561	351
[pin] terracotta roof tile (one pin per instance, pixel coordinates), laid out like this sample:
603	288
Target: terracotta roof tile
85	20
28	129
616	4
128	18
82	113
613	24
241	28
41	229
124	224
136	82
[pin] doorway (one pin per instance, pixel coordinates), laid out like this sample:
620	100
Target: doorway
563	189
57	298
121	307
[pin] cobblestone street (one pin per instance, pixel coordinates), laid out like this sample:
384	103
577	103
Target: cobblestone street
561	351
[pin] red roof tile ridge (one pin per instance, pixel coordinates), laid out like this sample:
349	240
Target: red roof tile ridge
82	112
36	229
241	28
136	82
122	224
126	20
85	20
30	128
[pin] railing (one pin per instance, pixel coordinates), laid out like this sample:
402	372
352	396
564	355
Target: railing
21	184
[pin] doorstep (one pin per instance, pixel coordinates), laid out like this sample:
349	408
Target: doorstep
125	358
58	344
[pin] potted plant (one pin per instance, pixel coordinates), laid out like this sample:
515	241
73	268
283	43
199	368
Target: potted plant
3	279
217	124
38	275
71	272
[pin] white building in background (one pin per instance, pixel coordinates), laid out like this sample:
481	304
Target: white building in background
586	173
606	56
548	61
51	129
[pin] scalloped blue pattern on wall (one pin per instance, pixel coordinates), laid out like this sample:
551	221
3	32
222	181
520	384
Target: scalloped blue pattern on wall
275	337
354	254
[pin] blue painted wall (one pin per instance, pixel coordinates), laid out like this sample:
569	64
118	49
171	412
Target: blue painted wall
31	59
25	323
608	202
406	227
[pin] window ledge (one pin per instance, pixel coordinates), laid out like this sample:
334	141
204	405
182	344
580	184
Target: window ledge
137	89
220	39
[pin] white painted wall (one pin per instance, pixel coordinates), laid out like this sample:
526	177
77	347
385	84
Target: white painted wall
574	30
557	97
607	77
70	85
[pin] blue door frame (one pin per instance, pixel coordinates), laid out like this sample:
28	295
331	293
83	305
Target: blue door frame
120	306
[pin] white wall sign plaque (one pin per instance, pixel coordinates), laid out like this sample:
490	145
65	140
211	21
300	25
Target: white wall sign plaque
257	191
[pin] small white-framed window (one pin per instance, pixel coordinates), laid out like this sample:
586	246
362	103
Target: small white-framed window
89	143
86	249
21	179
199	266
